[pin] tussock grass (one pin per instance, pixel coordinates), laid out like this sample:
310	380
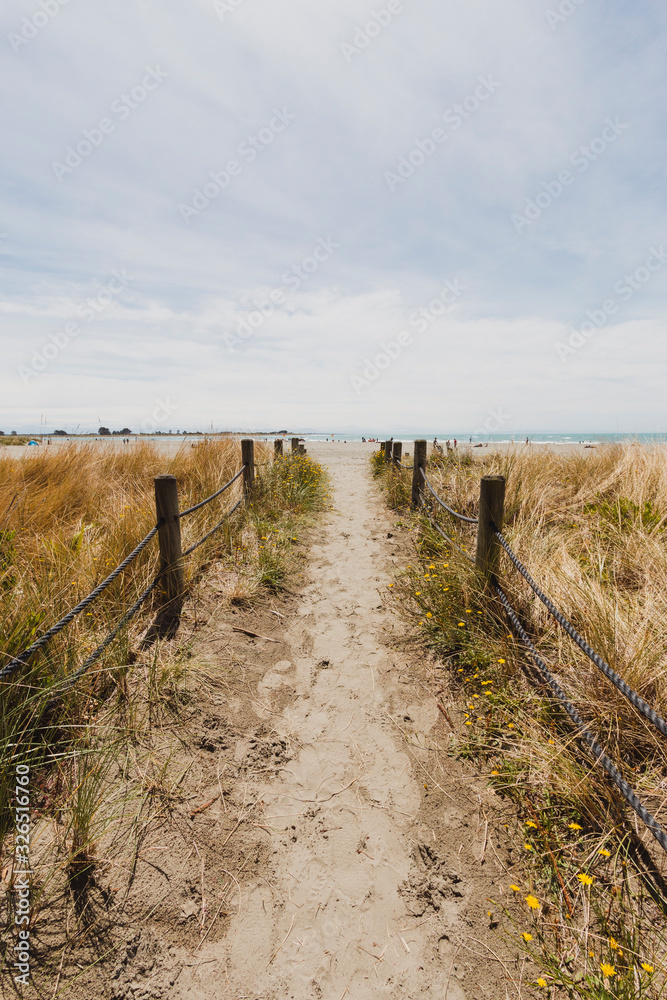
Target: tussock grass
592	531
67	517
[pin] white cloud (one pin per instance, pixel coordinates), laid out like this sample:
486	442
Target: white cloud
324	176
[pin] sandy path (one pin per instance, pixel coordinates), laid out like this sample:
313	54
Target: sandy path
329	919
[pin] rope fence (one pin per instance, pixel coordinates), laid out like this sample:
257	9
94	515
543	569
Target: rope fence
490	542
170	575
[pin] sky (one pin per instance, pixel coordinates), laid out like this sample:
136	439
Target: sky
349	215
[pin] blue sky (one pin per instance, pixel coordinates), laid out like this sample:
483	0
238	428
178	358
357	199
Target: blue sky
370	157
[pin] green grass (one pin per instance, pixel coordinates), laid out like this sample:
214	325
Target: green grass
70	515
591	532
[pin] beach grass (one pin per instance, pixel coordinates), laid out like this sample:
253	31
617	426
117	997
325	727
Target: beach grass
68	516
592	530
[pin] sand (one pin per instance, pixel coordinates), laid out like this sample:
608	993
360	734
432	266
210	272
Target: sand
377	882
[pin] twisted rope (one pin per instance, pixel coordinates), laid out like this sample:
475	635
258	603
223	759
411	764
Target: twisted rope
450	541
69	683
198	506
632	696
213	530
22	659
597	751
454	513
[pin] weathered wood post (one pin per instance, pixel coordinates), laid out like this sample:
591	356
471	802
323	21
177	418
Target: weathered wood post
302	449
419	462
491	508
248	460
278	448
295	446
387	452
398	453
172	581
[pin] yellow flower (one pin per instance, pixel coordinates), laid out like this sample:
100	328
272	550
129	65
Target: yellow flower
467	723
574	826
541	982
533	902
510	725
428	614
592	954
528	847
446	588
529	822
495	773
462	624
468	612
647	967
526	936
605	853
515	888
390	585
431	566
488	693
418	593
607	969
585	879
501	661
613	944
552	742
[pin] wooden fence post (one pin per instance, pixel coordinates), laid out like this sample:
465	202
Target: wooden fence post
387	451
295	446
419	461
491	508
172	583
248	460
398	452
278	448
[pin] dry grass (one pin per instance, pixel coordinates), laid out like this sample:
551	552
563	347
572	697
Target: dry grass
591	530
67	517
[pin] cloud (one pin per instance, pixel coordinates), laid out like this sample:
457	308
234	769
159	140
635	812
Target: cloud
224	74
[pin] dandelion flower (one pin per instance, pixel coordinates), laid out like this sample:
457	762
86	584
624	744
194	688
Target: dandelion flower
607	969
501	661
605	853
541	982
510	725
529	822
647	967
526	936
495	773
585	879
515	888
418	593
528	847
390	585
613	944
533	902
468	723
462	624
428	614
574	826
